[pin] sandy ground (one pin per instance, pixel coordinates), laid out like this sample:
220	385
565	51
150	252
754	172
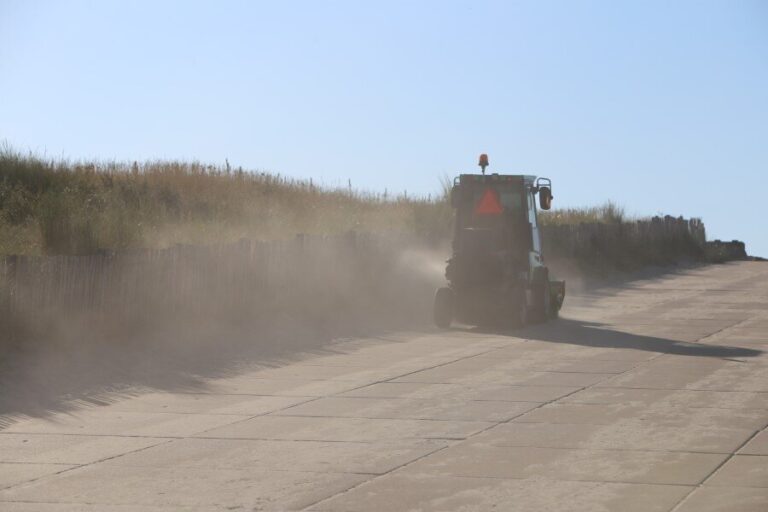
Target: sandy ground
648	396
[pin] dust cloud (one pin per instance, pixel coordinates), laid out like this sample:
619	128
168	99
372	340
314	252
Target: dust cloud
171	321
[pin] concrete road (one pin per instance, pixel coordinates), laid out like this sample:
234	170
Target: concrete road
651	396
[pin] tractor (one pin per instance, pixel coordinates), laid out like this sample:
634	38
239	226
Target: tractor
496	274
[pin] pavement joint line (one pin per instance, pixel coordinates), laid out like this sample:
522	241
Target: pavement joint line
314	399
87	435
672	406
495	424
697	390
409	399
211	438
418	458
128	411
355	486
332	379
379	397
320	365
633	367
602	482
473	477
80	466
340	441
278	470
492	400
33	502
444	420
252	417
716	469
257	468
728	458
714	390
596	449
566	372
516	385
388	380
203	393
565	359
550	479
722	330
40	463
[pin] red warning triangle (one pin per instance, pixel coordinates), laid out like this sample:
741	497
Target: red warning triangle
489	204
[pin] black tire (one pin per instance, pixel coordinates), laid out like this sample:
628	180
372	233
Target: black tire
554	310
443	310
542	296
546	303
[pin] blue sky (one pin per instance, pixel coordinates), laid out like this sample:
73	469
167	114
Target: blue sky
659	106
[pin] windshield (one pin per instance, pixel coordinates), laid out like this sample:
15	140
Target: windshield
488	205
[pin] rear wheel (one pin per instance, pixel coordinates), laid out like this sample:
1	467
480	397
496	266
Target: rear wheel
554	308
542	296
443	310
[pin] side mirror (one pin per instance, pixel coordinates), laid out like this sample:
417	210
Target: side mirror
545	198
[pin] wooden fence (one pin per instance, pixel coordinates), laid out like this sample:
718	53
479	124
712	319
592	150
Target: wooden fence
310	276
660	240
307	276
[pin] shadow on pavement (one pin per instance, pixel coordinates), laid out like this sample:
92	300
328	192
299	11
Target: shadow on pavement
62	377
56	376
592	334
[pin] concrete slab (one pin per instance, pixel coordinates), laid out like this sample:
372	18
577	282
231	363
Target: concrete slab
595	366
639	435
670	398
317	372
246	385
420	390
295	428
742	471
557	379
180	486
408	408
537	351
422	493
312	456
15	473
756	446
726	499
205	403
449	375
730	379
607	414
520	393
37	506
104	421
405	390
627	466
68	449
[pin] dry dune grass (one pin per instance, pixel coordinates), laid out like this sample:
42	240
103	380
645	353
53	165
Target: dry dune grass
59	207
608	213
70	208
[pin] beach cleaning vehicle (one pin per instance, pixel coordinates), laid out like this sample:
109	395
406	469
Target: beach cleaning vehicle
497	274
